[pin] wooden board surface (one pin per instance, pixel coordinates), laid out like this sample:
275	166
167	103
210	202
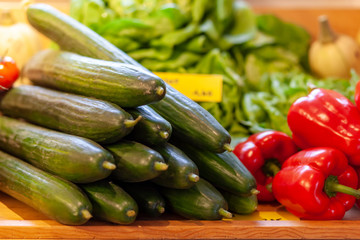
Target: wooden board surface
18	221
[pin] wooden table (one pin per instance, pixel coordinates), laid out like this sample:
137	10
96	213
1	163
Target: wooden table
268	222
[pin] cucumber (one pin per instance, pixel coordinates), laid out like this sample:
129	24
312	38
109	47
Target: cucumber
56	198
123	84
151	203
202	201
223	170
182	172
152	129
240	204
136	162
189	120
90	118
73	158
110	202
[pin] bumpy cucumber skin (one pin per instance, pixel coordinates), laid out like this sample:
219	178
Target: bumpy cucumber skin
149	129
148	198
90	118
202	201
180	167
73	158
246	204
189	120
123	84
110	202
134	161
223	170
54	197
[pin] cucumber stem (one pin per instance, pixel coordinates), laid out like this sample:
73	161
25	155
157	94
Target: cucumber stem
164	134
227	147
108	165
86	214
194	177
131	123
224	213
130	213
160	91
254	191
160	166
160	209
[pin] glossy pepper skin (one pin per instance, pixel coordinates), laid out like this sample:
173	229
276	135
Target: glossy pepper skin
262	154
325	118
316	183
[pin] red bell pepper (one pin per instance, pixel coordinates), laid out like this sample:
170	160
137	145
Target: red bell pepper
325	118
317	183
262	154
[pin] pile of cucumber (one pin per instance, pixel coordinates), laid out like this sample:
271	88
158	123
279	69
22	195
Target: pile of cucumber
98	135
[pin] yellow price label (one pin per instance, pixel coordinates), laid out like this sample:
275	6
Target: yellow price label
198	87
267	216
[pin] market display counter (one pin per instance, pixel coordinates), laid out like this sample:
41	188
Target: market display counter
268	222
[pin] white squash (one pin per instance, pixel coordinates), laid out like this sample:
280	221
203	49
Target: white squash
17	40
333	55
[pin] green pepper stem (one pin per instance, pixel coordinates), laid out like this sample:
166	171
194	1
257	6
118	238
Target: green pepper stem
271	168
337	187
131	123
269	187
225	213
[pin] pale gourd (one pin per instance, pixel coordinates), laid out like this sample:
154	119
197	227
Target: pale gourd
17	40
333	55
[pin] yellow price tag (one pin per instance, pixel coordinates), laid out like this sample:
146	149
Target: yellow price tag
198	87
267	216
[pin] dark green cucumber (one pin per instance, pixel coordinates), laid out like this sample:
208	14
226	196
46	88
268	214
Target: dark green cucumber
223	170
151	203
240	204
152	129
136	162
189	120
123	84
110	202
182	172
90	118
202	201
71	157
54	197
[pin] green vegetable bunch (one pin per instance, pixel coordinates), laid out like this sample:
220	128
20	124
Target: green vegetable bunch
263	60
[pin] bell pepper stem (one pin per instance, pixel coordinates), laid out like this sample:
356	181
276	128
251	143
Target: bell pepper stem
271	168
337	187
332	186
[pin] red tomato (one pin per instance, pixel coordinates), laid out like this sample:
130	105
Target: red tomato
9	72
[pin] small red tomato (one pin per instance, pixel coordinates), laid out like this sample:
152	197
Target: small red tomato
9	72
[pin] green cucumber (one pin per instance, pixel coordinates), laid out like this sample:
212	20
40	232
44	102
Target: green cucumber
151	203
202	201
136	162
240	204
123	84
182	172
189	120
90	118
223	170
152	129
56	198
71	157
110	202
